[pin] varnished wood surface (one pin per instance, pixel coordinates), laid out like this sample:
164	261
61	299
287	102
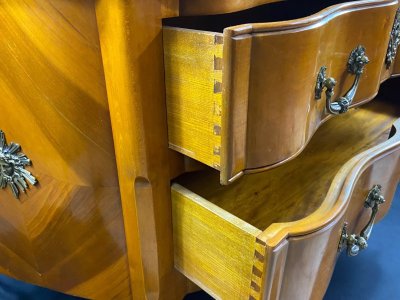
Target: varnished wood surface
199	138
269	111
297	188
131	45
300	267
219	256
67	232
303	203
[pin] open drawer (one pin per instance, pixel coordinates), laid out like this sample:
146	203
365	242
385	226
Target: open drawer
245	98
276	234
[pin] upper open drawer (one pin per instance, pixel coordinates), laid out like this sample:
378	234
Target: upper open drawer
244	98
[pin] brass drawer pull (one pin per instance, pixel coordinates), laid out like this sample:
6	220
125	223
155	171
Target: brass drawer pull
356	243
12	167
394	41
355	65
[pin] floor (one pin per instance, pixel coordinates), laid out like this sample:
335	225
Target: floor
372	275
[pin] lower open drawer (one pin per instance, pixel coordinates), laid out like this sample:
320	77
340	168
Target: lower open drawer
277	234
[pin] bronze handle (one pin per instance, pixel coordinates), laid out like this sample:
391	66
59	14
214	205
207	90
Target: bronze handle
12	167
355	65
356	243
394	41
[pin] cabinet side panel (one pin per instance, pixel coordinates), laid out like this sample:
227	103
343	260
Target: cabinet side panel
66	233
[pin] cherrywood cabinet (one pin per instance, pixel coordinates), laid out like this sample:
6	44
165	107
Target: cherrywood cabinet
121	119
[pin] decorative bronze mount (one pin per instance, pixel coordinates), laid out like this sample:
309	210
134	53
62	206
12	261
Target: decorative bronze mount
355	65
12	167
394	41
356	243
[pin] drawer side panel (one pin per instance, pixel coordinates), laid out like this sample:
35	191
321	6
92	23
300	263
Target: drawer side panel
193	79
213	248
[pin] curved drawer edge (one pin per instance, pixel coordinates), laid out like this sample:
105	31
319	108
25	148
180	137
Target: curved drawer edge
238	152
338	196
293	156
316	19
227	179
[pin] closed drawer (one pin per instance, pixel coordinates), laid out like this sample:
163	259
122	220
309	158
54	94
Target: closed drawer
276	234
242	98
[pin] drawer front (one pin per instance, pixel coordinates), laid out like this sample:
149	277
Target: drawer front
66	231
251	103
309	260
282	110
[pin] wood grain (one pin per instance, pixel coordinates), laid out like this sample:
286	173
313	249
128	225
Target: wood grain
131	45
212	247
338	140
67	232
300	207
258	62
192	90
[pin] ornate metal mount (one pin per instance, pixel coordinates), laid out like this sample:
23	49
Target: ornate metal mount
12	167
394	41
355	65
356	243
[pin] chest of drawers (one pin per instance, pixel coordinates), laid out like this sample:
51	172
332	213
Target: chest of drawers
268	176
241	98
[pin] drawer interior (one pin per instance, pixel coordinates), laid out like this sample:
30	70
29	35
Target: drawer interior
270	12
297	188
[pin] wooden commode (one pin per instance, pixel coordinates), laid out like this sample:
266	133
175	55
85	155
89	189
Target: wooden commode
152	148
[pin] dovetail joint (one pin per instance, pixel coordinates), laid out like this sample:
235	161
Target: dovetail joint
256	272
217	129
217	150
255	287
217	63
259	256
218	39
217	87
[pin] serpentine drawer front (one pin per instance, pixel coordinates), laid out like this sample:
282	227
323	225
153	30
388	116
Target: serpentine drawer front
244	98
277	234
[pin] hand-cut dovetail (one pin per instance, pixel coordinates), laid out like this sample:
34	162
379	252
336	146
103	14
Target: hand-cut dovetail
217	129
259	256
217	150
217	63
261	242
255	287
256	272
218	40
217	87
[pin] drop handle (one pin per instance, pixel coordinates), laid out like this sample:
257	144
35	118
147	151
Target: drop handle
355	243
355	65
